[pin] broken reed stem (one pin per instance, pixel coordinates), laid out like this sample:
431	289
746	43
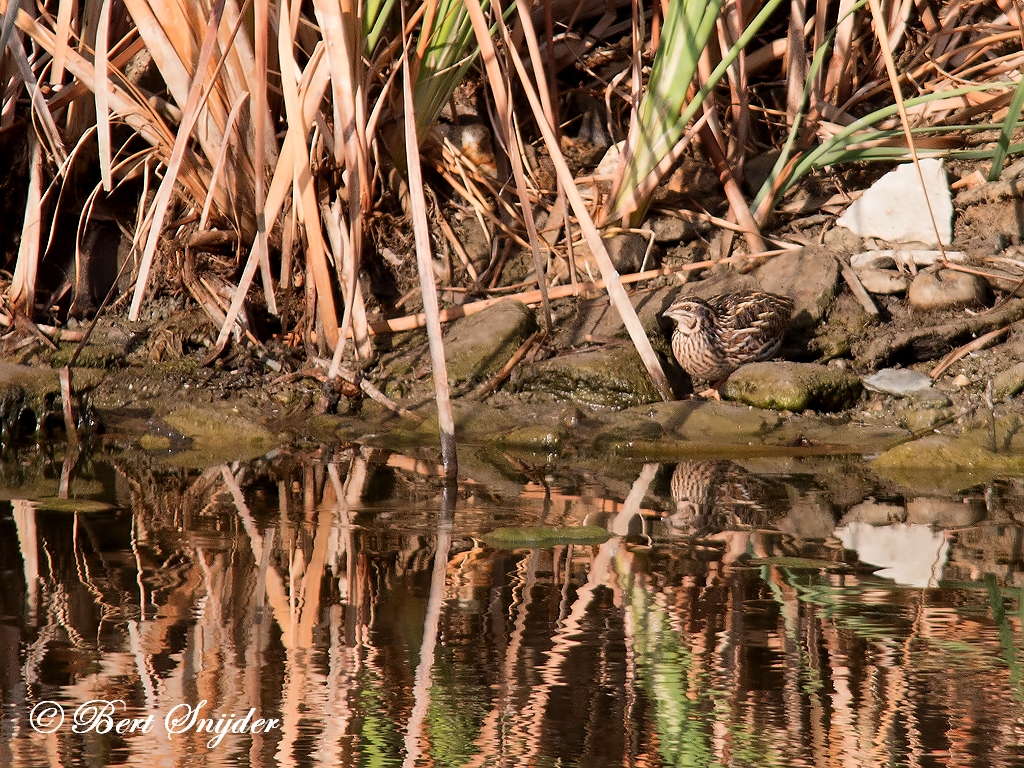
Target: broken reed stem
500	376
966	349
859	291
65	398
411	322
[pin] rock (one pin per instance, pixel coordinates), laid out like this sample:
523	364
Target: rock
882	282
814	429
947	288
672	229
831	346
810	517
476	347
902	258
715	422
961	381
841	241
809	276
913	555
944	513
627	250
599	320
612	376
793	387
535	437
1009	382
919	419
938	463
726	281
218	436
895	208
875	513
929	398
897	381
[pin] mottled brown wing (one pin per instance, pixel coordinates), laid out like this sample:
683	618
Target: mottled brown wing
752	325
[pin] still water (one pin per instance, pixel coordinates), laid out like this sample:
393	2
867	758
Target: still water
339	607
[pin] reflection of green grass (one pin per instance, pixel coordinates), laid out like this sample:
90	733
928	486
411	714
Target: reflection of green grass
665	665
458	705
1008	650
380	742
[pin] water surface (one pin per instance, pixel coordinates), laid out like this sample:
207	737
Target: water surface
337	608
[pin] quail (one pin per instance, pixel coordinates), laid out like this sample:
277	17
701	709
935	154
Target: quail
716	495
713	337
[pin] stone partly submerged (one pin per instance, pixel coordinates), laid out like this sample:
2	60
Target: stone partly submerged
793	387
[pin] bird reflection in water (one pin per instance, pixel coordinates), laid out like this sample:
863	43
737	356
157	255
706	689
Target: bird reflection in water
713	496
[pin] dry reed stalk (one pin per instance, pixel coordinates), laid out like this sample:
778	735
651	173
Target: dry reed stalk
424	262
610	276
973	346
890	68
258	115
21	294
411	322
503	107
69	413
163	197
102	112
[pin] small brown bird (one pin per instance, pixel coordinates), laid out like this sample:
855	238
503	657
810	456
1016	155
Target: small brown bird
718	495
716	336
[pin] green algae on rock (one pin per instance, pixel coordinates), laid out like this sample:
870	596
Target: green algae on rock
938	463
478	346
539	537
793	387
218	436
610	377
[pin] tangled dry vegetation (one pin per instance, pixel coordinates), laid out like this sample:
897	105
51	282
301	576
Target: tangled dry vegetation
260	153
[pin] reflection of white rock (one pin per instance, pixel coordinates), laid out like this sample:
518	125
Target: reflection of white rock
894	208
912	555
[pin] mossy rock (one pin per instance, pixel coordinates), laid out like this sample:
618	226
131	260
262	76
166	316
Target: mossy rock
535	437
539	537
716	422
610	377
939	463
478	346
793	387
218	436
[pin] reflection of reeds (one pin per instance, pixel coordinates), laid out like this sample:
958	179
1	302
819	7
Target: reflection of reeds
379	641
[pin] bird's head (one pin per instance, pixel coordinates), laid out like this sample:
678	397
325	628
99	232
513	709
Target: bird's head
690	315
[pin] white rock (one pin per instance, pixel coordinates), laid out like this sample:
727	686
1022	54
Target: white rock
895	209
898	381
610	160
884	282
913	555
902	258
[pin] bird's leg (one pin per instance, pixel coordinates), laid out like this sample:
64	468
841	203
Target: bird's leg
713	392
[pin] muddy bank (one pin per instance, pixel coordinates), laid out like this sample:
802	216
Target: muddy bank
857	372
